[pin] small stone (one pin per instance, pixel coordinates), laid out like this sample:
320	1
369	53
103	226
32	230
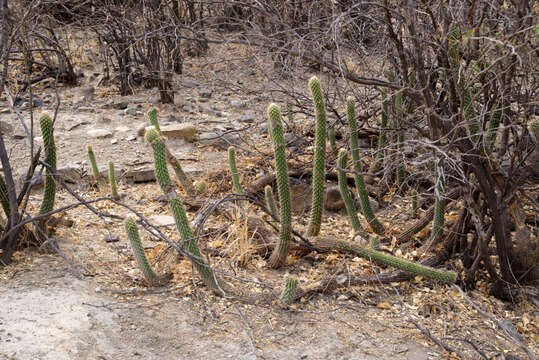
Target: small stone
205	93
237	103
191	83
162	220
131	138
132	110
219	140
122	129
99	133
187	108
116	104
19	136
86	108
246	118
98	289
112	238
105	119
114	141
5	127
172	118
185	131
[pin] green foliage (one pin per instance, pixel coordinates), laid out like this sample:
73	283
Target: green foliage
112	179
319	165
366	208
140	256
97	176
345	193
280	252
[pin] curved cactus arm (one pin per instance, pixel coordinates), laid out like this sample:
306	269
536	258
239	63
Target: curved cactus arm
234	170
319	165
291	284
180	217
366	208
270	203
382	257
112	179
97	176
140	256
345	193
278	256
4	197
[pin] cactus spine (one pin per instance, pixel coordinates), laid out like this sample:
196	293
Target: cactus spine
291	284
112	179
278	256
345	193
358	177
178	211
140	256
319	157
270	203
234	170
97	176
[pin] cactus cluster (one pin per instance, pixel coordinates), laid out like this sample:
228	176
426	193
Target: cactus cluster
291	284
49	192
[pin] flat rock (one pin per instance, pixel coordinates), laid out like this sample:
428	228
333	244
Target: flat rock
116	104
99	133
185	131
191	83
246	118
220	140
139	175
72	173
237	103
162	220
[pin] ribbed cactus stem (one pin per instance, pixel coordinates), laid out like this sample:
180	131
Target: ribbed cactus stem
291	284
50	158
439	215
278	256
4	197
152	115
97	176
290	113
319	165
112	180
493	126
414	203
270	203
345	193
180	217
405	265
234	170
333	142
140	256
366	208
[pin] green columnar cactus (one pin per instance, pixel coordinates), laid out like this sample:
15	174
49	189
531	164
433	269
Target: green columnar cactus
375	242
468	110
414	203
345	193
234	170
201	187
439	215
152	115
98	178
319	165
493	126
270	203
333	142
4	197
278	256
140	256
178	211
112	179
50	158
366	208
405	265
290	113
291	284
187	184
